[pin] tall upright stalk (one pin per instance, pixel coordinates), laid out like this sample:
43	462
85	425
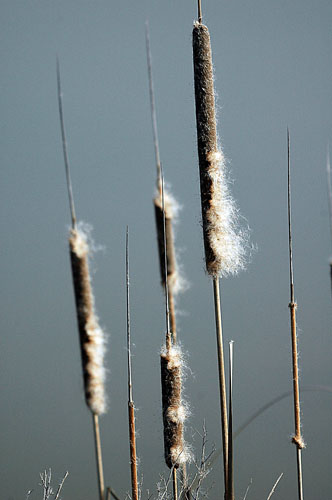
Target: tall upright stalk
297	438
92	338
170	374
174	412
230	479
131	407
224	251
329	192
222	378
160	212
164	211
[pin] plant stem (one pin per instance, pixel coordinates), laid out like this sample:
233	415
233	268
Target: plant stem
131	408
64	147
222	382
175	484
172	316
133	458
297	438
230	479
329	192
99	459
110	493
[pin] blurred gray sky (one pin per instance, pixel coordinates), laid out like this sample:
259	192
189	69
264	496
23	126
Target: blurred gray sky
272	69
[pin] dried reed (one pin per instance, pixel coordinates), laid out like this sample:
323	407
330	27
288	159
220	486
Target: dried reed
171	364
210	184
131	407
170	209
297	438
329	192
92	338
174	412
223	242
230	478
91	335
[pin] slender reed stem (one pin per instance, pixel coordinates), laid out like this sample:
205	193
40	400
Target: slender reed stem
175	484
199	9
131	407
184	479
230	479
297	438
167	315
152	100
64	147
92	338
274	486
329	188
168	330
329	192
172	316
168	230
60	486
99	459
111	493
222	381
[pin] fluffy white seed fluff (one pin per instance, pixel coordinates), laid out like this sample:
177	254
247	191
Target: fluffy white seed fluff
221	222
181	454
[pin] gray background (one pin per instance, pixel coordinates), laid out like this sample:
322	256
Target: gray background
273	68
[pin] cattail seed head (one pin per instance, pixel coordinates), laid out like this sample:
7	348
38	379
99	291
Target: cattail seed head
224	249
92	337
169	207
174	411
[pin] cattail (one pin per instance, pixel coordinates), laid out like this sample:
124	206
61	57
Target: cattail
223	242
165	235
174	411
172	276
329	192
297	437
92	337
224	250
131	406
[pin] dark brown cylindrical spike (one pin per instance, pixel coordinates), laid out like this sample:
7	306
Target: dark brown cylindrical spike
90	333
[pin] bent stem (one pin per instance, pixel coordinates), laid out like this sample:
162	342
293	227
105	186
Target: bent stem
99	459
222	381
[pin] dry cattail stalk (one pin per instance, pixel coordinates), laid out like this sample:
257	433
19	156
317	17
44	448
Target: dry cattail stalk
224	249
175	281
174	412
91	336
329	192
131	406
297	438
230	478
170	251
